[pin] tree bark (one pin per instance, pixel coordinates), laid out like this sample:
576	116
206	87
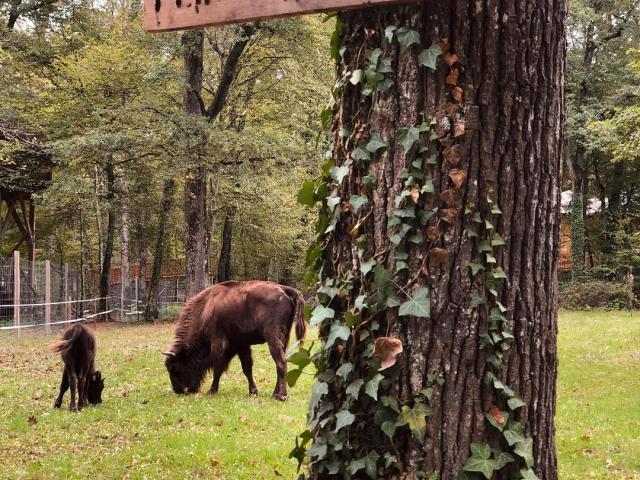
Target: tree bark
125	267
224	264
195	185
151	310
511	66
105	271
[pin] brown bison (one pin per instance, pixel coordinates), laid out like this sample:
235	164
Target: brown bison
225	320
78	352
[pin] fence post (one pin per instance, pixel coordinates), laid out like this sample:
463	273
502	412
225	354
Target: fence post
121	295
16	291
137	306
47	295
66	292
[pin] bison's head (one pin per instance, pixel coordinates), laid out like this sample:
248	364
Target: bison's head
95	387
184	370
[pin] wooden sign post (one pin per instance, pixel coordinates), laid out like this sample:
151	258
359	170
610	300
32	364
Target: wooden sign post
167	15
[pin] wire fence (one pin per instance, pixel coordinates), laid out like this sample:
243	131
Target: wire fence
43	297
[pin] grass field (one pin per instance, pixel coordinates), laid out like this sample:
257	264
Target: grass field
143	430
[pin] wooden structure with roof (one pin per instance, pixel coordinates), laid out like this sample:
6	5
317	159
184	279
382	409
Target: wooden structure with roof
25	169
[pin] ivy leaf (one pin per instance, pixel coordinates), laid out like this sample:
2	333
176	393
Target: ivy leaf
497	240
498	273
344	418
502	459
344	370
528	474
386	349
428	186
321	313
306	194
338	173
515	403
476	300
317	391
416	419
407	137
429	56
360	155
338	331
389	428
371	388
293	376
514	434
365	267
317	451
480	460
389	32
407	37
369	463
524	449
375	143
354	388
357	202
357	76
418	305
300	358
475	268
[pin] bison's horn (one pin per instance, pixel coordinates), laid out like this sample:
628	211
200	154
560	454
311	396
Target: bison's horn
169	354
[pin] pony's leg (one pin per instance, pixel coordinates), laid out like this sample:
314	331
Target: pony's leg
64	386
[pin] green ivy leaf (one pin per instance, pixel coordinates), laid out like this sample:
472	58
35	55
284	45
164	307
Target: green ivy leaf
407	37
354	388
306	194
369	181
502	458
344	418
528	474
416	419
361	155
480	460
293	376
418	305
338	331
514	434
357	76
476	300
389	33
369	463
300	358
428	186
375	143
357	202
498	273
524	449
429	57
365	267
389	428
407	137
475	268
497	240
317	451
515	403
371	388
338	173
321	313
317	391
344	370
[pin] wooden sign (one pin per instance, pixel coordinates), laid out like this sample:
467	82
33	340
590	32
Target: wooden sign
167	15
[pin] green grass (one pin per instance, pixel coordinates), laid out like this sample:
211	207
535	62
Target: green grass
598	411
143	430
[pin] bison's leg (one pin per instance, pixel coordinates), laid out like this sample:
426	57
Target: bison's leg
277	352
221	357
247	368
64	386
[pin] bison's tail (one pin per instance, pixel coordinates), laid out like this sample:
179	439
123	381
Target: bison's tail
66	344
297	312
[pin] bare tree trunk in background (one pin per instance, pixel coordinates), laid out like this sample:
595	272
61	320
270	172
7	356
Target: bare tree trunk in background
105	271
195	185
125	267
224	264
151	310
512	58
96	196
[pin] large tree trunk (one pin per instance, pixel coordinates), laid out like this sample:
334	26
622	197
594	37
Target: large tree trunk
195	185
496	142
151	310
224	263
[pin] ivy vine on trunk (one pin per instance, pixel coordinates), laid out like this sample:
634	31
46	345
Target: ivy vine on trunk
437	245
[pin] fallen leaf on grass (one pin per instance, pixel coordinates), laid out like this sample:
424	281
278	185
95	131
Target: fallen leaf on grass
32	420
